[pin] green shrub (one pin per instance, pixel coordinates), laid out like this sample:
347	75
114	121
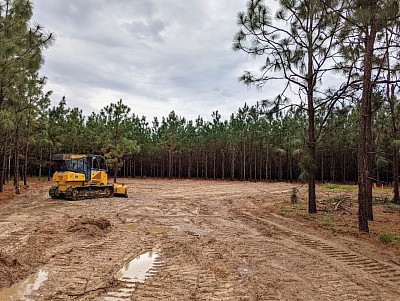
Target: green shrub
293	196
377	201
333	186
388	238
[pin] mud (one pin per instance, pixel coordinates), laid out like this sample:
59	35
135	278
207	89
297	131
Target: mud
20	290
90	227
213	240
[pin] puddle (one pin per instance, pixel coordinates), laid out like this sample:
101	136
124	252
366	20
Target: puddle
21	290
244	271
138	269
158	229
131	227
134	272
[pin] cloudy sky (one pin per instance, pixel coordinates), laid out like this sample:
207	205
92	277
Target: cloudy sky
155	55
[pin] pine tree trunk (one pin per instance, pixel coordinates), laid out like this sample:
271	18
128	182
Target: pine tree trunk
206	166
134	167
141	166
189	166
214	164
26	150
395	166
364	134
169	163
40	161
244	161
344	167
322	169
115	172
16	161
223	164
362	173
8	168
312	204
2	168
370	160
233	163
197	166
333	168
255	163
311	143
179	165
260	164
50	158
130	165
396	199
266	164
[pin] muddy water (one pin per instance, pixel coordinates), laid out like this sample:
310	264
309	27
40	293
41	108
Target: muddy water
158	229
22	290
130	226
134	272
138	269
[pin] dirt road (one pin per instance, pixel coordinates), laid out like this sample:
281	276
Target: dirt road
200	240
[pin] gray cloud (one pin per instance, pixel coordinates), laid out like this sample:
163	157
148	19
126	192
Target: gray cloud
157	56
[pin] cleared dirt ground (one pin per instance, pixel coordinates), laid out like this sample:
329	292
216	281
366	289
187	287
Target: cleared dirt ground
214	241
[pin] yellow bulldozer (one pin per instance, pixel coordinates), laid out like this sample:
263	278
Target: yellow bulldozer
83	177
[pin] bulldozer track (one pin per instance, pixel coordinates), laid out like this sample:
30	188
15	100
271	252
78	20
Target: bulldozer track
88	192
385	273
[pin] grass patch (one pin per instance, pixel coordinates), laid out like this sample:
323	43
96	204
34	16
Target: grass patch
324	219
310	217
389	238
333	186
393	206
327	220
283	209
334	199
380	201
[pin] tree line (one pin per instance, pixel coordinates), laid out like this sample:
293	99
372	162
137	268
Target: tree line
254	144
336	119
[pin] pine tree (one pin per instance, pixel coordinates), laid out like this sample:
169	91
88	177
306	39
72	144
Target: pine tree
298	50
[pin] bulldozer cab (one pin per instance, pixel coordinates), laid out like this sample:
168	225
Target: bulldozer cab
98	163
83	164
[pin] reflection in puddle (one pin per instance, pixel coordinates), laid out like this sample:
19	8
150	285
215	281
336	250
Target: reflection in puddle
134	272
138	269
21	290
244	271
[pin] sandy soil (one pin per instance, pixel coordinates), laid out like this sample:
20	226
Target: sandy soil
214	240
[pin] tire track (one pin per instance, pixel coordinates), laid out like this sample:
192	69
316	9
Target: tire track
211	248
386	274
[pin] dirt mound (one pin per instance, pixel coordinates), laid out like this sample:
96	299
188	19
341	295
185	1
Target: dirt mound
11	269
91	226
7	261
